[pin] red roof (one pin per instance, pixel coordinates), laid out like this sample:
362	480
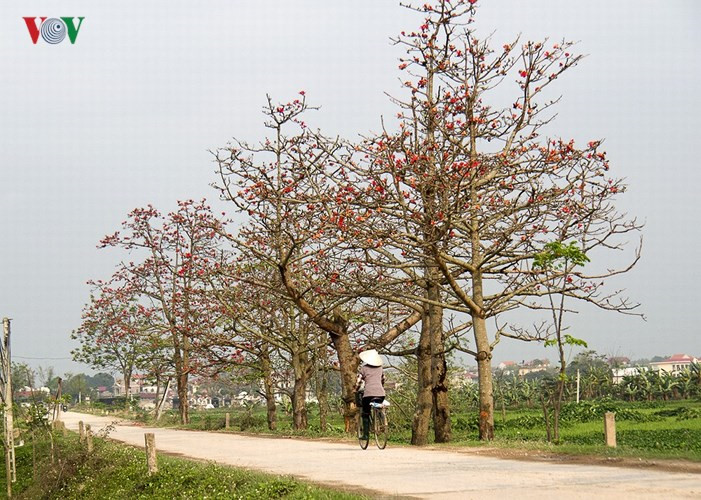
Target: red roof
680	357
676	358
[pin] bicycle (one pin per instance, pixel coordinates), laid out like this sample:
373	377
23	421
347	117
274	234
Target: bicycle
379	425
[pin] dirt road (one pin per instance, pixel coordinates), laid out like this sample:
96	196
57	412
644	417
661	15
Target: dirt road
408	472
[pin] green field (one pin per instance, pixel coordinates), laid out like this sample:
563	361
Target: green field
670	429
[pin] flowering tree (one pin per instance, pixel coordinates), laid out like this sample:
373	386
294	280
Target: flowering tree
262	321
477	175
297	195
114	332
179	251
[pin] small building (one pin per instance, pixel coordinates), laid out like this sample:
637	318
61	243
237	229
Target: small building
508	366
536	365
674	364
618	361
462	378
135	384
617	374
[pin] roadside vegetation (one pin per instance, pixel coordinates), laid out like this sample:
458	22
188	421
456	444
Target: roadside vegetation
658	415
119	472
651	430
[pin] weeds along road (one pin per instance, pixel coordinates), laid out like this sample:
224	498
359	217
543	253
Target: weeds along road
404	471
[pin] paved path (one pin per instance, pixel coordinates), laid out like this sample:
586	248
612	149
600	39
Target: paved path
409	472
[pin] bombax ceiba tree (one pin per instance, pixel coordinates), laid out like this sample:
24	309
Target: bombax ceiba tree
178	252
295	191
484	185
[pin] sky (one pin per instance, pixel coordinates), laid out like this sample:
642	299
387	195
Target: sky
127	115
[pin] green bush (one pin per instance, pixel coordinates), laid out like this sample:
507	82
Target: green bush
589	411
213	422
681	413
118	472
662	439
525	422
249	421
470	423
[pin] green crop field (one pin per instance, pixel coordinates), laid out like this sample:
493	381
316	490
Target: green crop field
670	429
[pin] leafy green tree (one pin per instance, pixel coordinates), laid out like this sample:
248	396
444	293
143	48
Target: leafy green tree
665	385
100	380
22	375
76	385
595	374
558	260
695	369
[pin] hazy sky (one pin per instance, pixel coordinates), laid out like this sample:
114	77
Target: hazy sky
125	116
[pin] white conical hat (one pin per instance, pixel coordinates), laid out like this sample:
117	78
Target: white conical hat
370	358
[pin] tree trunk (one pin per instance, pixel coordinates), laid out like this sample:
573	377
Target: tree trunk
157	376
299	408
560	389
322	388
180	361
183	404
546	417
159	409
439	371
348	366
424	398
300	368
556	409
126	374
266	368
484	369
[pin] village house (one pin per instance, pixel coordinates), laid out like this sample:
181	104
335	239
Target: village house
135	385
536	365
674	364
508	367
617	374
618	361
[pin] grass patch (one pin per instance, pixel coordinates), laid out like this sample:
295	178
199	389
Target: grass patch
119	472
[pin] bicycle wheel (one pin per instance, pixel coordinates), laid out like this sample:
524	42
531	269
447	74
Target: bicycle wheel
380	428
359	423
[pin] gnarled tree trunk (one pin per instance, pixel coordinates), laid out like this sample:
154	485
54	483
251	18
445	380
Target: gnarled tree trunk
348	366
439	368
267	372
424	399
484	370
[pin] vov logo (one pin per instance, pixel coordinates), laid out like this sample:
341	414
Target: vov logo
53	30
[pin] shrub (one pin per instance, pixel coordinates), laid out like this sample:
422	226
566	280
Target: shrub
213	422
662	439
588	411
682	413
525	422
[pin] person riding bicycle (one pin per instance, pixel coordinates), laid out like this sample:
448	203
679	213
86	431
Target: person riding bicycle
372	374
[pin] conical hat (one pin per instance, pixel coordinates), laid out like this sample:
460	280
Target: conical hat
370	358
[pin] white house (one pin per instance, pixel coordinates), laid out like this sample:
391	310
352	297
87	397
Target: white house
674	364
536	365
617	374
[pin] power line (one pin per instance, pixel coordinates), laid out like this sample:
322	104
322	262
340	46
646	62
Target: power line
26	357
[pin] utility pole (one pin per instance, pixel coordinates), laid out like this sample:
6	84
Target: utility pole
6	393
57	405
